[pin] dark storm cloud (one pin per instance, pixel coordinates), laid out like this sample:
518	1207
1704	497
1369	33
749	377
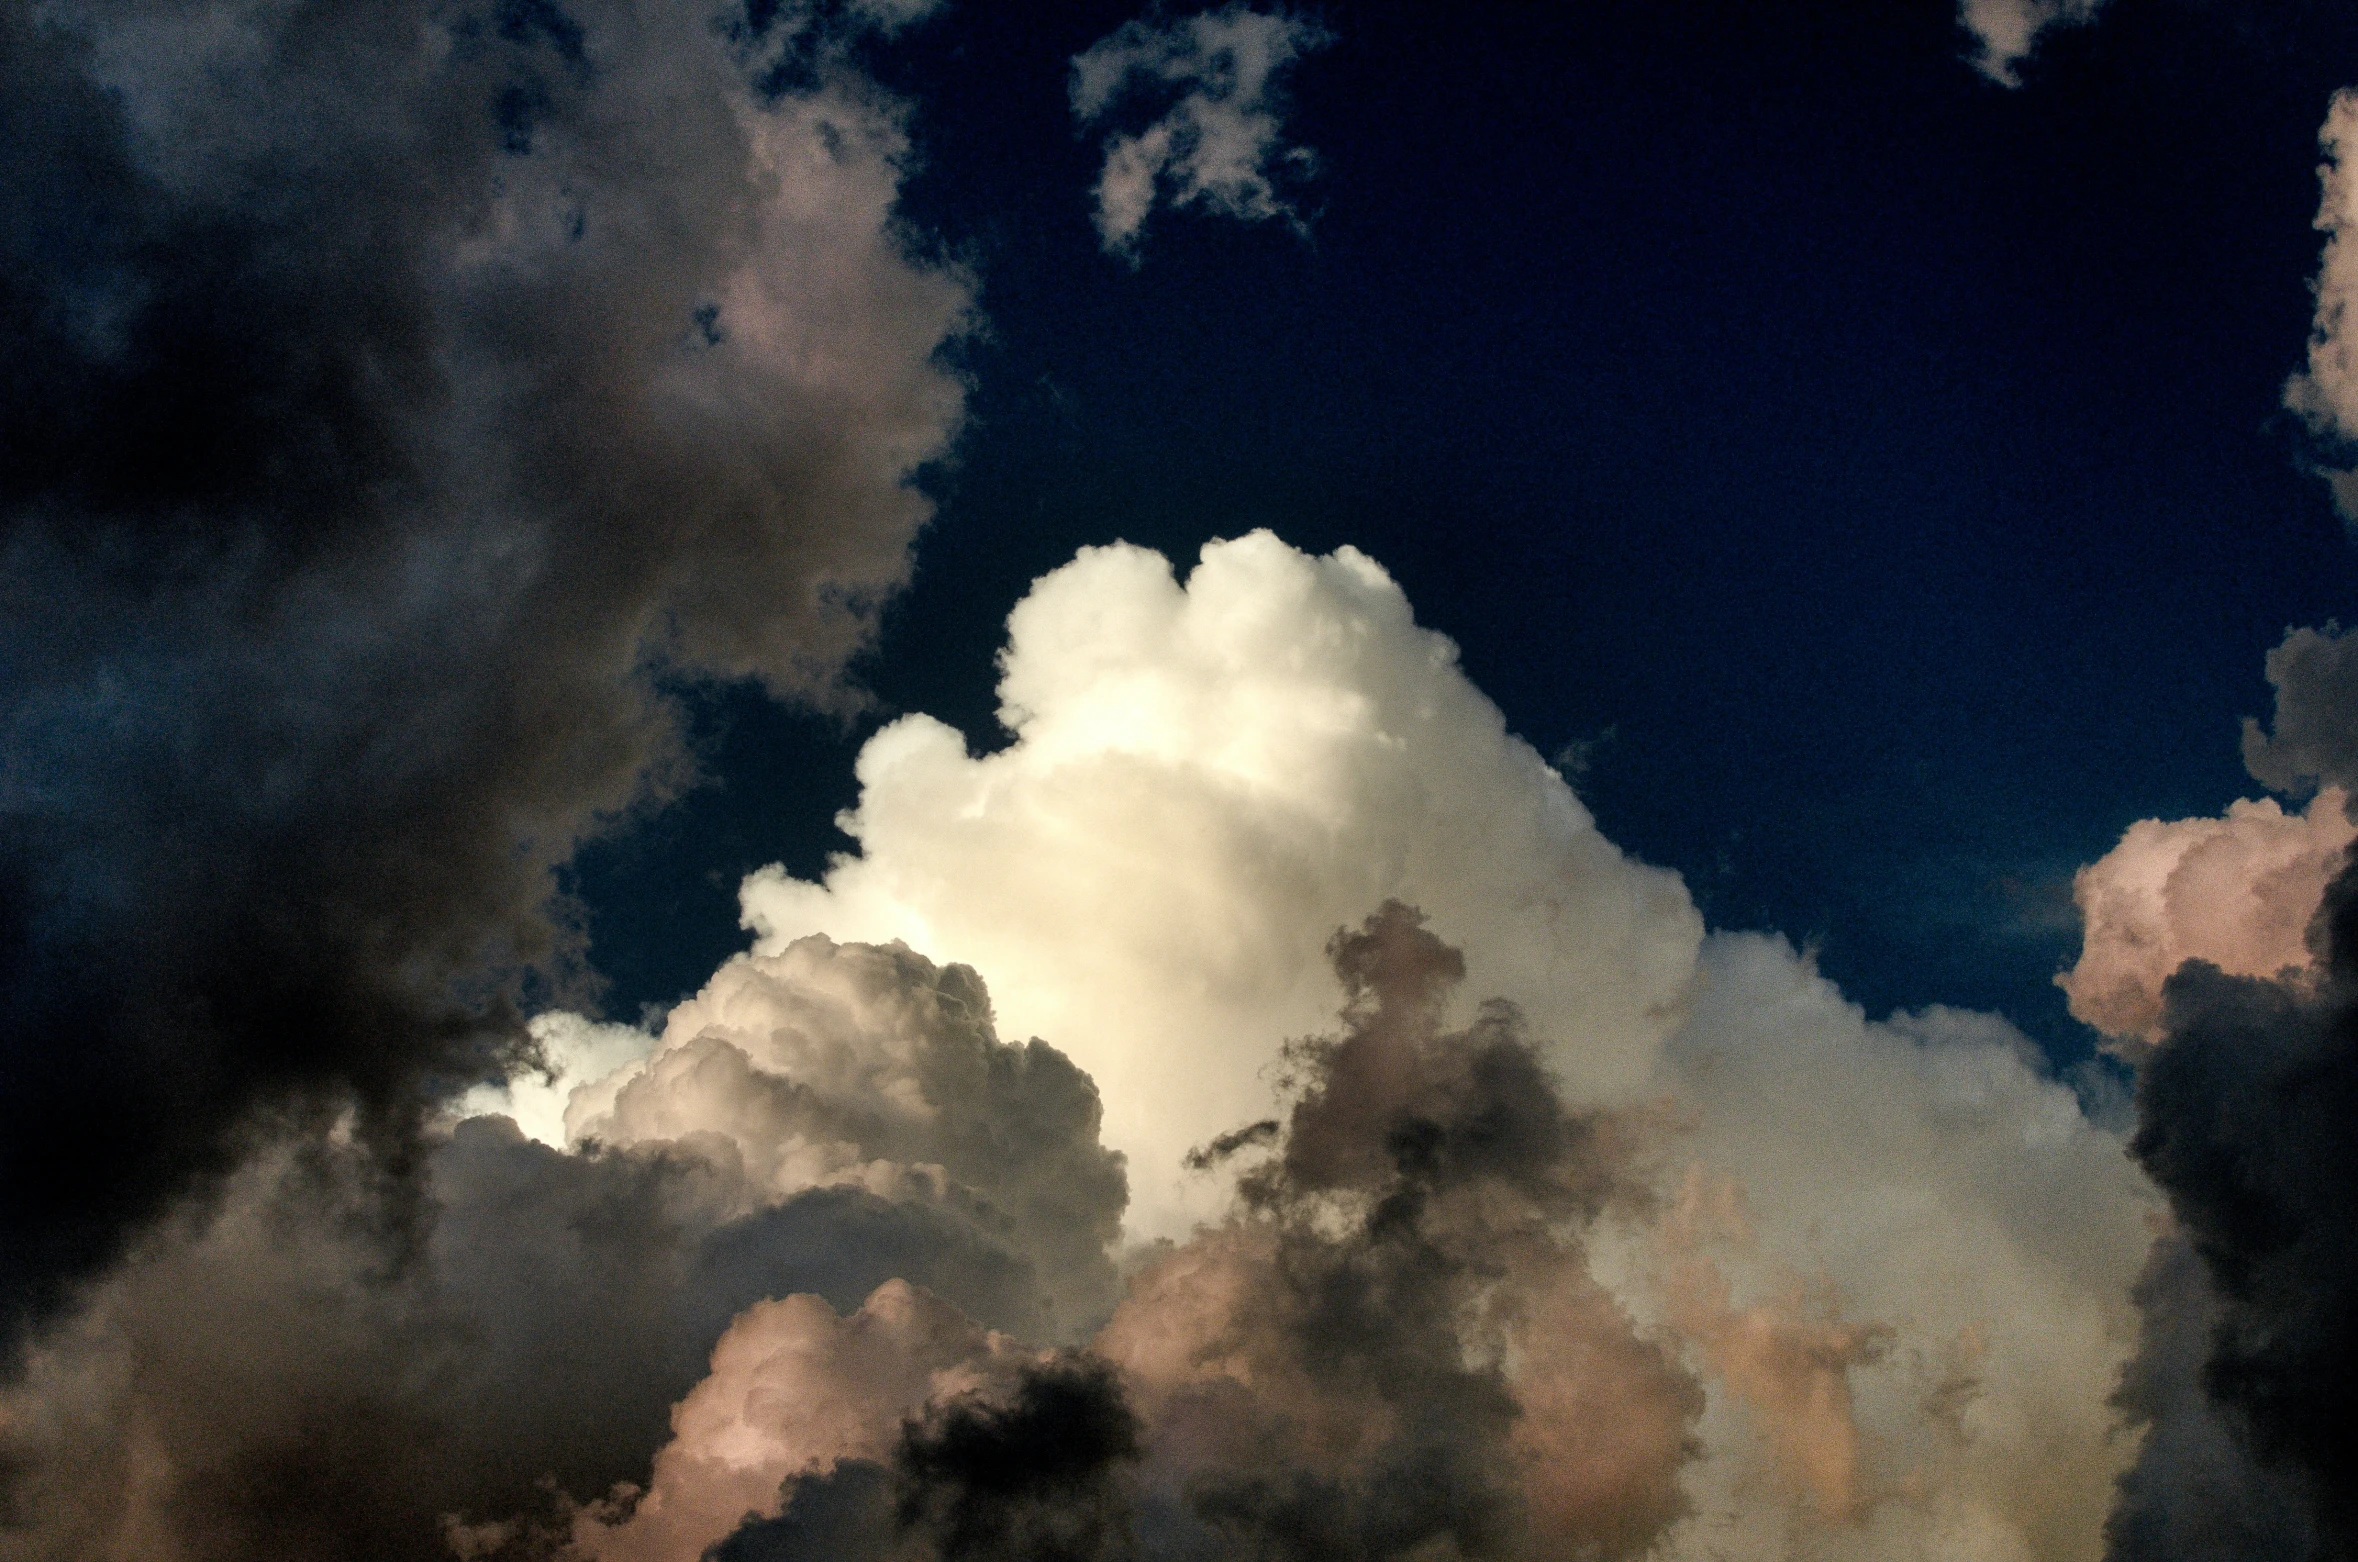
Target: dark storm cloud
1038	1476
385	391
1417	1230
2244	1115
847	1515
1036	1471
268	1377
2195	1491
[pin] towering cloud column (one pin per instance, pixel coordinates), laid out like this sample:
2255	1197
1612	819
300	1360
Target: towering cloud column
1206	780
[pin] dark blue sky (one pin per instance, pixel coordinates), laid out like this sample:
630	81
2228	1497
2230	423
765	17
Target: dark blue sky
1879	471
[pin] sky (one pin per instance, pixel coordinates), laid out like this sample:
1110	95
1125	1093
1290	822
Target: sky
890	779
1876	476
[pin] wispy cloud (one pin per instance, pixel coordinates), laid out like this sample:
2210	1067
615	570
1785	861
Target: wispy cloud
1220	144
2008	30
2326	395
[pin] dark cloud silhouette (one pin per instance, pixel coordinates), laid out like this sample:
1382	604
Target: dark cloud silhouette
2244	1116
1037	1476
847	1515
387	393
1037	1470
2196	1490
1221	1146
1395	1346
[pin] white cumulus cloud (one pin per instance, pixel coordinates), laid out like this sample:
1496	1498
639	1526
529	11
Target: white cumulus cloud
1206	780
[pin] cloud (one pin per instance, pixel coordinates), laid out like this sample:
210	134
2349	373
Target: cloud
1788	1361
1038	1476
2006	31
2223	953
851	1066
279	1372
1220	144
391	393
2236	891
2196	1490
1205	777
1392	1341
1903	1253
2243	1118
1395	1341
1205	781
1574	1231
794	1390
2326	395
1447	1308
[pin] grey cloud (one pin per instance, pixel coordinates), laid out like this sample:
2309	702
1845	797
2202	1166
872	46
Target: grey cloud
1037	1470
1038	1476
865	1066
387	391
2325	393
2195	1491
1393	1347
2314	738
847	1515
2006	31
